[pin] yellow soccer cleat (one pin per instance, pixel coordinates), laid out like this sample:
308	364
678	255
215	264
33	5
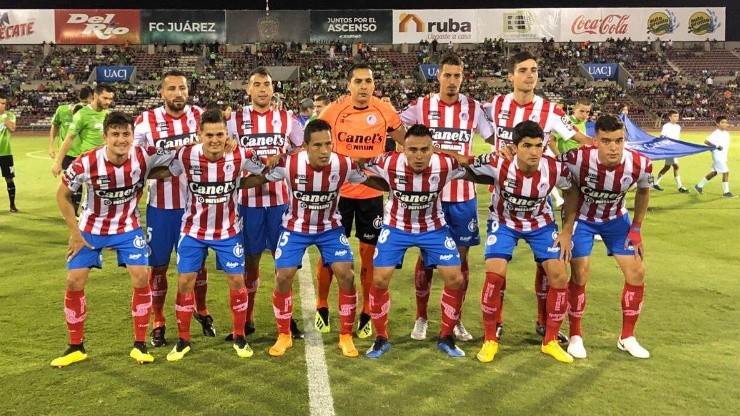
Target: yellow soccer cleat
282	344
347	346
364	326
488	351
554	350
140	353
243	349
73	354
321	321
182	348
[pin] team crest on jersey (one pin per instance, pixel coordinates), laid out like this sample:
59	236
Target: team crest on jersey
401	180
534	117
503	115
191	123
491	240
433	115
464	116
371	119
543	185
102	180
276	123
333	178
626	179
162	126
229	167
434	178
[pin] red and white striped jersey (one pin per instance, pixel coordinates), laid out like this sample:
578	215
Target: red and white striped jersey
113	191
519	200
413	203
314	193
270	133
505	113
161	130
452	127
210	211
602	189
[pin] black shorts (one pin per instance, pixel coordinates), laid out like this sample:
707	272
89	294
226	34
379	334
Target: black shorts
67	161
368	215
6	166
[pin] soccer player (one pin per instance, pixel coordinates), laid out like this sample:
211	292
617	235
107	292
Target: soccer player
211	220
506	111
7	168
578	119
60	125
452	118
671	130
720	141
314	176
603	173
168	127
268	132
85	130
414	217
307	108
360	124
114	175
320	102
519	210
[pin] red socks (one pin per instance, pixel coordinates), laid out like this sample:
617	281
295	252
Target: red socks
557	306
366	273
423	284
200	290
491	298
141	308
631	307
380	305
540	289
238	300
282	304
158	286
576	306
347	310
184	314
252	282
450	305
75	311
323	277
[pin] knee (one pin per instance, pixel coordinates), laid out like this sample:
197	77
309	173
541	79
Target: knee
75	283
636	276
235	281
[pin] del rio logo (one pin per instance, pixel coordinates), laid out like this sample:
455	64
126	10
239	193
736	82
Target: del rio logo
103	27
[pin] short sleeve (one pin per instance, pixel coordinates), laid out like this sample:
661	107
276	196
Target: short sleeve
561	124
278	172
409	116
355	175
483	124
645	180
74	175
485	165
564	180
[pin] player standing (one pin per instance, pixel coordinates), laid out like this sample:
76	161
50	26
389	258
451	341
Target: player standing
671	130
720	141
7	168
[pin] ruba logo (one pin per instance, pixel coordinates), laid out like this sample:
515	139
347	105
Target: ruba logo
418	25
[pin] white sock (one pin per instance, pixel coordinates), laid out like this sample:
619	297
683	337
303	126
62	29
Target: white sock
702	182
657	181
678	181
725	187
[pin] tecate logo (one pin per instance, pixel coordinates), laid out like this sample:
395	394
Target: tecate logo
613	24
103	27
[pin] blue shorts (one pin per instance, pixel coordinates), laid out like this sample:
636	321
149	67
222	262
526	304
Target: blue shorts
501	240
438	247
130	247
191	253
163	230
614	234
462	218
261	227
332	244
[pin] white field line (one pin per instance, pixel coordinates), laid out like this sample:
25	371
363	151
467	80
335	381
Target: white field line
45	155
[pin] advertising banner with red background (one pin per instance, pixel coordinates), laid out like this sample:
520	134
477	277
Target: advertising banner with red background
97	26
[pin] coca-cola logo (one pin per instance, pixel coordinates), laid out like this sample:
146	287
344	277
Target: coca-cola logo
612	24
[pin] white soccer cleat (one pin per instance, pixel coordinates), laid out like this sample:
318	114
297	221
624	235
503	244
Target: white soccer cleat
576	348
461	333
631	345
419	332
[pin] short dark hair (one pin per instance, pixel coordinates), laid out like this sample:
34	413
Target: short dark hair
418	130
518	58
174	73
351	72
608	123
103	87
77	108
719	119
671	112
212	117
3	96
323	98
582	101
315	126
260	70
450	60
117	119
527	128
214	105
85	93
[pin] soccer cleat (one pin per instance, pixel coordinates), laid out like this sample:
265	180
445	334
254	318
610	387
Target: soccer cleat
73	354
683	190
379	347
364	326
657	187
347	346
13	209
294	331
243	349
157	337
729	195
249	328
699	189
419	332
554	350
540	329
447	346
631	345
487	352
140	353
576	348
282	344
461	333
206	321
181	348
321	321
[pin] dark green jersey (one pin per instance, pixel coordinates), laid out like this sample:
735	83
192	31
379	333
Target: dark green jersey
5	133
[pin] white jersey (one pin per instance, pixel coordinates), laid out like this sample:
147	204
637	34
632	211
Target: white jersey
720	138
671	131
